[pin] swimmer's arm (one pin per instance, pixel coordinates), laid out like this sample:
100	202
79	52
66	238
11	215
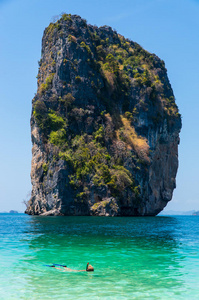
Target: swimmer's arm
65	269
70	270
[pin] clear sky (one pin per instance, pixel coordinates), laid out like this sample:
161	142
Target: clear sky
168	28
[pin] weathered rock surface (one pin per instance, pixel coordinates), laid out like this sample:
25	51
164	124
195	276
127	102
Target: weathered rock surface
104	125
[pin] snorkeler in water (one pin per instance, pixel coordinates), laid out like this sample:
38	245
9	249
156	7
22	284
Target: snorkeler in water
89	268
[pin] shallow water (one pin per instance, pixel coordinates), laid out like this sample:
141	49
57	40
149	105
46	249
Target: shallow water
134	258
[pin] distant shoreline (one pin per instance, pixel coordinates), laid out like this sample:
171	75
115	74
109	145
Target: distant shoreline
12	213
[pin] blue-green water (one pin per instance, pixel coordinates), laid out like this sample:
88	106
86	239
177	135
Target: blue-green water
134	258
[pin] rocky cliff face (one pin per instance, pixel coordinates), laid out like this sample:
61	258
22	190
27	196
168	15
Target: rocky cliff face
105	126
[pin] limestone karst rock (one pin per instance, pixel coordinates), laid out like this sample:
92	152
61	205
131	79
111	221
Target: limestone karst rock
104	125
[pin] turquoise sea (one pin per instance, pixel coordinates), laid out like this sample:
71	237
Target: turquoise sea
134	258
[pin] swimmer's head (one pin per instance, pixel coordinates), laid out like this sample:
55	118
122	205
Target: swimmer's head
89	268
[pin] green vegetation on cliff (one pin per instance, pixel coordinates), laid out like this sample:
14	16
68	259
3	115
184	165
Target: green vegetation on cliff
99	96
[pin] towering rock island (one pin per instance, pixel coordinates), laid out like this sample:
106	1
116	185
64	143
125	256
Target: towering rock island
105	126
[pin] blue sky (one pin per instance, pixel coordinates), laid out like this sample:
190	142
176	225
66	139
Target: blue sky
168	28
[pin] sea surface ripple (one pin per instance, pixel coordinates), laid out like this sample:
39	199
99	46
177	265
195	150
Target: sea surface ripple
134	258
